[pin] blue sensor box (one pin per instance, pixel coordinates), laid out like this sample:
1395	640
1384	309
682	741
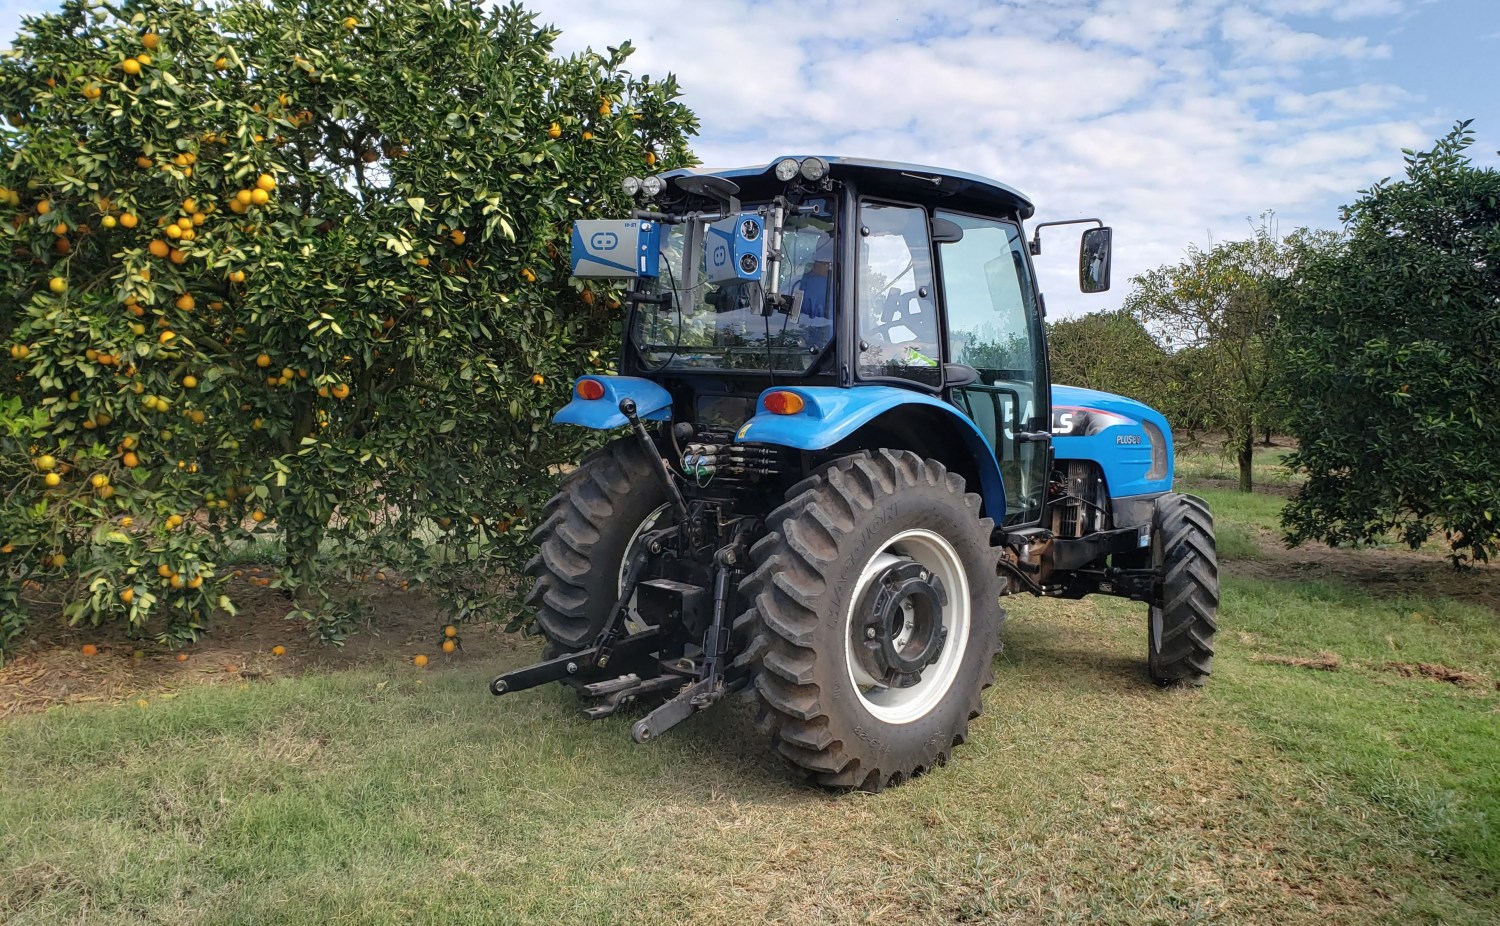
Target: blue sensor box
616	249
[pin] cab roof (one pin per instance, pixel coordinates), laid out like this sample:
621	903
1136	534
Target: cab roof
934	184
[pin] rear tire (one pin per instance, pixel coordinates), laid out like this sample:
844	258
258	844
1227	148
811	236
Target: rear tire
582	541
835	554
1180	633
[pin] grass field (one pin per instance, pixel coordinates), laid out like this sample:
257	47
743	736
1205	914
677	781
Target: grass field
1364	793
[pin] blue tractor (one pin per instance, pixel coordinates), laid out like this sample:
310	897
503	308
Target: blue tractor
839	451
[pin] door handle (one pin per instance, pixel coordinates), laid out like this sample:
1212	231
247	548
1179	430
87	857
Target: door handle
1033	437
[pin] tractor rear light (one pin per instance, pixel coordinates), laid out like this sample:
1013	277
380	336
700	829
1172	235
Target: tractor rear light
784	403
589	389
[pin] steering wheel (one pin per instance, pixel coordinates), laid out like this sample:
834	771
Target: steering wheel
897	307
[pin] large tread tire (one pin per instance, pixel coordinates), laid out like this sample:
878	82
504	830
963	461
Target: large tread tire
1180	633
794	631
581	542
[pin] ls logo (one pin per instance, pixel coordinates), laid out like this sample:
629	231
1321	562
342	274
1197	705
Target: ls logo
604	241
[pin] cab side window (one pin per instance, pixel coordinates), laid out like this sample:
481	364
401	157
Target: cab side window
899	333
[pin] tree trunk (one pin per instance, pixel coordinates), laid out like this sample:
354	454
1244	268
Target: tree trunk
1247	460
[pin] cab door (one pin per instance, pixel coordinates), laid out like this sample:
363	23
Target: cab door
993	326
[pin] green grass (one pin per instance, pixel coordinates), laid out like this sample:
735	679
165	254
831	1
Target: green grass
1268	467
1273	795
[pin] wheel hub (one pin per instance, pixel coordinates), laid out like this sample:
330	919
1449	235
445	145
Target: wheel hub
902	629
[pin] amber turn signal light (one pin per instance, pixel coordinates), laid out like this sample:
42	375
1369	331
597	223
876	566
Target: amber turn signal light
784	403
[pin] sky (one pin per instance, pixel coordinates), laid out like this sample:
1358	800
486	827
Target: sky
1177	122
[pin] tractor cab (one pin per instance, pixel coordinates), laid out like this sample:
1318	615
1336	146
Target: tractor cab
830	272
840	447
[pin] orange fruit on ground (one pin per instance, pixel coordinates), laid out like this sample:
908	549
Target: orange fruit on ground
419	661
278	650
89	649
450	631
182	657
450	645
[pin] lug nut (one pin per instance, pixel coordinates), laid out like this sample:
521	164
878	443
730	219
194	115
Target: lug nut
869	633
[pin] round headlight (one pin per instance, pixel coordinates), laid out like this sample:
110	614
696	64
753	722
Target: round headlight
814	169
786	169
652	185
631	185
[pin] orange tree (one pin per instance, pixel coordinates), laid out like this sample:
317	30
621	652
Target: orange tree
295	270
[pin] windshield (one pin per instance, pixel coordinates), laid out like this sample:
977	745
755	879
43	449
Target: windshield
722	325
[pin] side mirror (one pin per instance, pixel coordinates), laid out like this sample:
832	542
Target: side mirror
1093	260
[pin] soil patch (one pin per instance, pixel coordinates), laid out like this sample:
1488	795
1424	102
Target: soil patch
49	667
1436	672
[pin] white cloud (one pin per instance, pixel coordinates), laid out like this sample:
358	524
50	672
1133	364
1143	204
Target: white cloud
1264	38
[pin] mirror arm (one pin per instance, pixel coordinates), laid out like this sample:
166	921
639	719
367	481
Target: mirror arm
1036	231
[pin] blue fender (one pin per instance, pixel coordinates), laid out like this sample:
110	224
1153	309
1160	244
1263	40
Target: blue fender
1131	441
832	413
652	403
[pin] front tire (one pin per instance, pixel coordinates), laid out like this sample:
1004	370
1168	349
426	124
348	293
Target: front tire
590	524
1180	632
873	619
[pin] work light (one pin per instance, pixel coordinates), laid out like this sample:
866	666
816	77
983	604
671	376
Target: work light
786	169
814	169
631	185
651	186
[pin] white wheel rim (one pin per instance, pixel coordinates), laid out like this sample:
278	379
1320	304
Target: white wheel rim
936	555
633	621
